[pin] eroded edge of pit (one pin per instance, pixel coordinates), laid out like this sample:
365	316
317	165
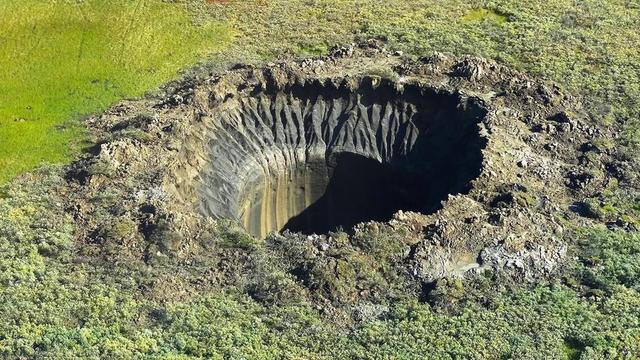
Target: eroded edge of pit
432	133
508	223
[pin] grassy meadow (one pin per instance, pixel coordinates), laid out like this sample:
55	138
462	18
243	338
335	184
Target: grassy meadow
61	60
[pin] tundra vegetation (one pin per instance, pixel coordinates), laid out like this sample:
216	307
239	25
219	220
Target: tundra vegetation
62	60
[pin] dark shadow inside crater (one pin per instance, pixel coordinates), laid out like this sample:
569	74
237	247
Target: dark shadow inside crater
362	189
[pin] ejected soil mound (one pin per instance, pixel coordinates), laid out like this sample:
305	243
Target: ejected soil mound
464	163
313	157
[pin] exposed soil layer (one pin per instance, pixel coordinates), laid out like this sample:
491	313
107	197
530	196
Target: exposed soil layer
312	158
441	167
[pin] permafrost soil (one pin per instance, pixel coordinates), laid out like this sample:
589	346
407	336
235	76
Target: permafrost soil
469	165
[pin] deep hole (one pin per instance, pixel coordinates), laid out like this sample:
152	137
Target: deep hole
313	159
360	189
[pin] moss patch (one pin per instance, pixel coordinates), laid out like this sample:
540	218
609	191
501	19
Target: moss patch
485	15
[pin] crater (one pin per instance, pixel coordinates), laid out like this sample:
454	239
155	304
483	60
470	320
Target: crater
318	156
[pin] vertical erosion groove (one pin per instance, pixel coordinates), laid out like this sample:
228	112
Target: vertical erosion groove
312	158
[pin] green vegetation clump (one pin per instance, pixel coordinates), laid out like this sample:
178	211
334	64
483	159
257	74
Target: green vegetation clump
612	259
61	60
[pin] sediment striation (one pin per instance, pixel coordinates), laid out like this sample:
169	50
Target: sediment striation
312	157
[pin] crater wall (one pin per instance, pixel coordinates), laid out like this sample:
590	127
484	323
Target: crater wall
314	157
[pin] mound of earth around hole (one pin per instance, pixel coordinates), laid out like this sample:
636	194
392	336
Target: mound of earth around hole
468	165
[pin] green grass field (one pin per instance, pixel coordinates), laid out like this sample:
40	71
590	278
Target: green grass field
62	60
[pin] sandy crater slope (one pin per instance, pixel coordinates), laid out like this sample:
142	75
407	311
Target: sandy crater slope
470	164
